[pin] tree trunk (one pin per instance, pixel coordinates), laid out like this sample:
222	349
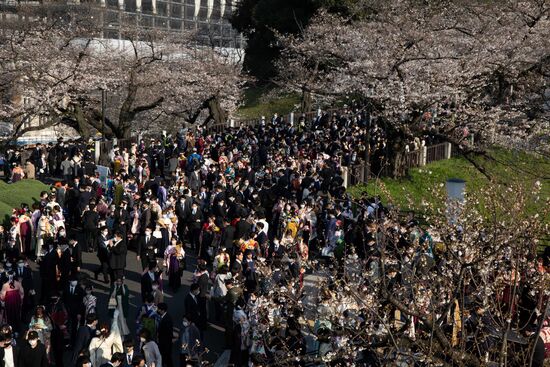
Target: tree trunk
81	124
217	113
395	150
396	161
305	103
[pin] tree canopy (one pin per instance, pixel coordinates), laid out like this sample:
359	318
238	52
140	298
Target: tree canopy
57	60
448	65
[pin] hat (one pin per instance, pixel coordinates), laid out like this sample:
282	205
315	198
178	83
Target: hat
32	335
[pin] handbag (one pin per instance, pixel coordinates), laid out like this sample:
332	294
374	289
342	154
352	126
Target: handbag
112	303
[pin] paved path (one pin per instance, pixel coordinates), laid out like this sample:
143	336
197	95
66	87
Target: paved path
213	336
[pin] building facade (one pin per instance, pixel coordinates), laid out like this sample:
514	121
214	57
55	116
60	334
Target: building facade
208	18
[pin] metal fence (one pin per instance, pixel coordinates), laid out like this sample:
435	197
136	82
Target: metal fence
436	153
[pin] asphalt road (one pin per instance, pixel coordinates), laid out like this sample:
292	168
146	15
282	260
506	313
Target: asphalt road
214	337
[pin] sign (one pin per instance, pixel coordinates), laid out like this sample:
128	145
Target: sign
104	173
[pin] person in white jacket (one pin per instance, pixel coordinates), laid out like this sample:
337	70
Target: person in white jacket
106	343
150	349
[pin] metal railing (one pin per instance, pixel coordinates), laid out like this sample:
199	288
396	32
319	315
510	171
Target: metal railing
436	153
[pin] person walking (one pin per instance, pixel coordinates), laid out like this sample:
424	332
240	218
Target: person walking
117	256
103	255
33	353
165	333
12	295
150	349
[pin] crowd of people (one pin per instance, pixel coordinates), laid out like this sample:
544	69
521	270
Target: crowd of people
249	211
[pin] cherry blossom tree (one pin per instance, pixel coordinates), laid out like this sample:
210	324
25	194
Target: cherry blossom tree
476	65
466	289
58	61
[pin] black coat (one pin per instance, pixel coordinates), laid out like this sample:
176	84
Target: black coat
243	229
272	253
90	219
117	258
195	220
76	256
147	285
145	219
26	279
84	336
125	363
121	216
192	308
142	245
237	269
73	302
33	357
48	267
184	210
65	264
16	356
165	331
102	249
84	199
228	236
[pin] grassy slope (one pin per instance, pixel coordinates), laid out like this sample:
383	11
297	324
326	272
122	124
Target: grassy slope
12	195
258	102
510	167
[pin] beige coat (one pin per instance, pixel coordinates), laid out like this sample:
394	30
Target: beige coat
30	171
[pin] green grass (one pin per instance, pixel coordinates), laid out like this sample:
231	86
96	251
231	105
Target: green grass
263	101
508	168
12	195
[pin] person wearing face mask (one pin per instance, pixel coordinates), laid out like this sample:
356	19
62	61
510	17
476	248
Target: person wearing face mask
106	343
117	258
73	296
120	300
194	223
34	353
24	274
103	255
192	304
41	323
10	354
76	257
148	278
241	339
147	248
189	347
151	351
